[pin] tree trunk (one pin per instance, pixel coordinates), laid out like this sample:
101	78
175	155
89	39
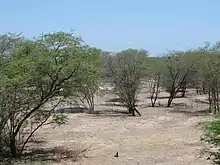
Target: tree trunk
170	100
155	89
214	100
152	101
210	102
90	102
154	98
203	89
152	104
13	147
133	112
217	99
137	112
183	92
91	109
183	89
130	110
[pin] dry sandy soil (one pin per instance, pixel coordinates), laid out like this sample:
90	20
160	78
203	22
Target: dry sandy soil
158	137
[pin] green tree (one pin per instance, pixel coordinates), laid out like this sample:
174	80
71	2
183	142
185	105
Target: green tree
8	41
35	74
210	75
89	78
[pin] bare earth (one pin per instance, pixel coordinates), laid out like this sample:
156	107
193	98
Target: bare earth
158	137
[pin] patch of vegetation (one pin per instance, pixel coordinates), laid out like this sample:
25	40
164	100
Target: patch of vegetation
212	137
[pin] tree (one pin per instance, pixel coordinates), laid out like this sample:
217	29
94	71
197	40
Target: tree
8	41
210	76
36	73
211	79
126	70
178	68
196	78
89	78
156	67
154	88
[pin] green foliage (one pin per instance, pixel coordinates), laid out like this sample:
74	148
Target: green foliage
89	78
8	42
37	73
177	70
212	137
155	64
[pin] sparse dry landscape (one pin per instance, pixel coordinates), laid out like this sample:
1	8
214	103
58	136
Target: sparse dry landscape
64	102
158	137
109	83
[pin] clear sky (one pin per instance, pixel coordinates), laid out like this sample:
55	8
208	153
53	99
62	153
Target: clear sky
155	25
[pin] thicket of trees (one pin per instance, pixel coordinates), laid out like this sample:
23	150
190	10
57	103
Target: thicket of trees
37	75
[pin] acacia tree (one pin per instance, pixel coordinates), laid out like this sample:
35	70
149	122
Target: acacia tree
196	78
178	68
126	69
8	41
89	78
212	81
210	75
34	74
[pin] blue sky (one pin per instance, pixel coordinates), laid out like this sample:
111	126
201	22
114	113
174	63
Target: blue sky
155	25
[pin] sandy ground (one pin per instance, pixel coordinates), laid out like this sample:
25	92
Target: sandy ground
158	137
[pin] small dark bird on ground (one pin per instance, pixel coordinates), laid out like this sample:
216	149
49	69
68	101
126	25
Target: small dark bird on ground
116	155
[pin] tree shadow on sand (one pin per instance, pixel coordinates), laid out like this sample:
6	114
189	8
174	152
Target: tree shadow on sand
115	102
204	112
167	97
113	105
36	141
187	110
48	155
111	113
70	110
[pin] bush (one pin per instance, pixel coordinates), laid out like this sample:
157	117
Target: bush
212	137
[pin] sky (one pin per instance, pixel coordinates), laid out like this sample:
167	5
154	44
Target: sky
154	25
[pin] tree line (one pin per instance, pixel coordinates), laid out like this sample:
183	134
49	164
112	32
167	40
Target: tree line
39	74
